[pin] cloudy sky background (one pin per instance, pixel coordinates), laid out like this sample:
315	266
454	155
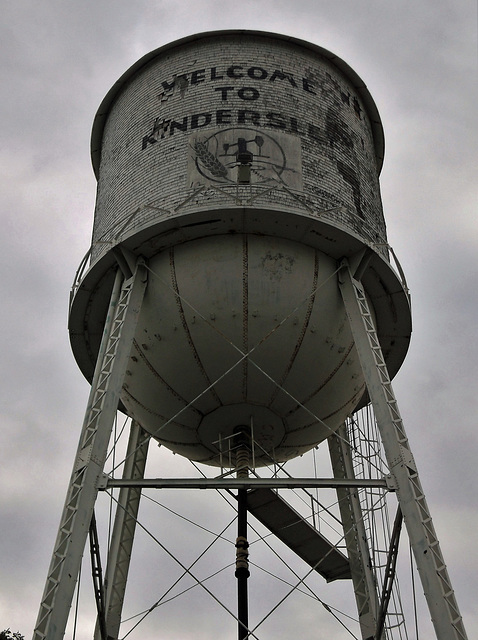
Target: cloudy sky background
59	58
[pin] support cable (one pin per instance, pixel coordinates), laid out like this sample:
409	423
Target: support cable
309	592
282	600
294	587
374	505
380	498
111	452
263	539
199	583
219	332
179	515
309	572
158	604
161	601
186	570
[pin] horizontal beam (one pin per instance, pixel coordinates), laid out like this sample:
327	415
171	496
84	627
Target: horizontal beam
244	483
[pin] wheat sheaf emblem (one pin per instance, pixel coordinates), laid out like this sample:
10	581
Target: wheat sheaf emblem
210	162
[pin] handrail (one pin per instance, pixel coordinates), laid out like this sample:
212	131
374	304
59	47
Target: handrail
79	276
398	266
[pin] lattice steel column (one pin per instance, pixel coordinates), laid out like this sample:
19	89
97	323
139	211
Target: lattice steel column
121	546
88	468
436	583
355	536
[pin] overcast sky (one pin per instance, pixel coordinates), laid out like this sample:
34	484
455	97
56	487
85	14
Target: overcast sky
59	58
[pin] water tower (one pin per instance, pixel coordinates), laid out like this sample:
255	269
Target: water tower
239	301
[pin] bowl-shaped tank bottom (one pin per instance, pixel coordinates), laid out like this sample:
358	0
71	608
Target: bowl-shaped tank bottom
242	330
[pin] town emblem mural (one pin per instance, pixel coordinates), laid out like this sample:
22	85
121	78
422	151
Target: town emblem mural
245	156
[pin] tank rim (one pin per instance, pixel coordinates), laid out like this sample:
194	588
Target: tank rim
359	85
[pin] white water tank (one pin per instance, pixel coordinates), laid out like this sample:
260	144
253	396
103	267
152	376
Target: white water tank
243	167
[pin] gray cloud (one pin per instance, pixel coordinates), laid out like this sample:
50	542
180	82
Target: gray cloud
58	61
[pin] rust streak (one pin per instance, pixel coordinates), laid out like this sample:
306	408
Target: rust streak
186	327
327	379
330	415
302	332
155	373
157	415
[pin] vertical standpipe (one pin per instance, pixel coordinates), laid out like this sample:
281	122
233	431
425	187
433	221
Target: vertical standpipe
242	447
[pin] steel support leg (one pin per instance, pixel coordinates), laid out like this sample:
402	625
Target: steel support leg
242	566
119	554
355	537
436	583
88	468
